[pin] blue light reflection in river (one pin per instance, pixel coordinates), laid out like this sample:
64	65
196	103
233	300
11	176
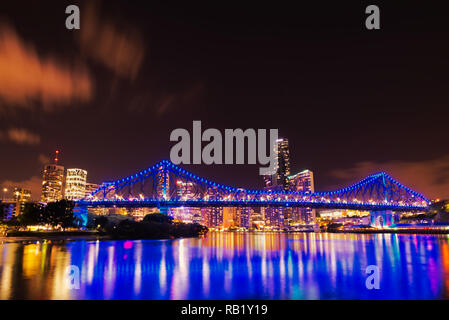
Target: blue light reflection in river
230	266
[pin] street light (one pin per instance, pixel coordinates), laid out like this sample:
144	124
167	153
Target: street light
4	192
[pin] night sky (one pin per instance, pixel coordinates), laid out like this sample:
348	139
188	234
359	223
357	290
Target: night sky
351	101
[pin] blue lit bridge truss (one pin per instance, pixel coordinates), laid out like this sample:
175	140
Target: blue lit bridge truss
167	185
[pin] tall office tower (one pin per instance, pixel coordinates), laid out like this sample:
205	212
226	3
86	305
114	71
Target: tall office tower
280	176
53	181
303	182
75	184
91	188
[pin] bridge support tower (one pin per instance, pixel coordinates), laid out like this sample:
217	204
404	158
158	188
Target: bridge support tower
385	218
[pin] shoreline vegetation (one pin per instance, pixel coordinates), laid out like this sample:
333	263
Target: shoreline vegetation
57	220
154	227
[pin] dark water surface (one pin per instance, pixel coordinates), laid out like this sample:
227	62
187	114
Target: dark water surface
228	266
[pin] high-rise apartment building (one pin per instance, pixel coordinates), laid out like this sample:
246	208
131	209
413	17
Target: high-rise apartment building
282	171
274	217
75	186
244	215
302	182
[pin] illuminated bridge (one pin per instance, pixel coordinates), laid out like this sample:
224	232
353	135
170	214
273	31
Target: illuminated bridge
167	185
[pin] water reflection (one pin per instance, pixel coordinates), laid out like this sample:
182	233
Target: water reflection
230	266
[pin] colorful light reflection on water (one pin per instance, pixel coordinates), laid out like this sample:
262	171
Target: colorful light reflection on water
230	266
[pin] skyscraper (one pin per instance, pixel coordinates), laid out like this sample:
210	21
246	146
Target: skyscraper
53	182
280	176
75	184
302	182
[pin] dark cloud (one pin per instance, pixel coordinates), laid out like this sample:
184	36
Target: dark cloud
120	50
21	136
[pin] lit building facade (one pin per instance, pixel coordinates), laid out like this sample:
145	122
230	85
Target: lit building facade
280	176
274	217
52	183
302	182
90	188
21	197
244	215
229	215
163	183
257	218
185	191
75	184
212	217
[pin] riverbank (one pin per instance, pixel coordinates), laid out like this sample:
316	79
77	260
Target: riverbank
92	235
20	236
44	234
396	231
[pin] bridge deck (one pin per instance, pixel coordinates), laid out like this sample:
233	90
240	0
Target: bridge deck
282	204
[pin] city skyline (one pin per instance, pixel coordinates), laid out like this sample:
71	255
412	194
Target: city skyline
224	155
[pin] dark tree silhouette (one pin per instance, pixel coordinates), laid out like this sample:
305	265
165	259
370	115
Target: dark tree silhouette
32	215
60	213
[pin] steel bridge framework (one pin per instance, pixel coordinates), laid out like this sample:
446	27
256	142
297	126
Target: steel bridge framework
167	185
